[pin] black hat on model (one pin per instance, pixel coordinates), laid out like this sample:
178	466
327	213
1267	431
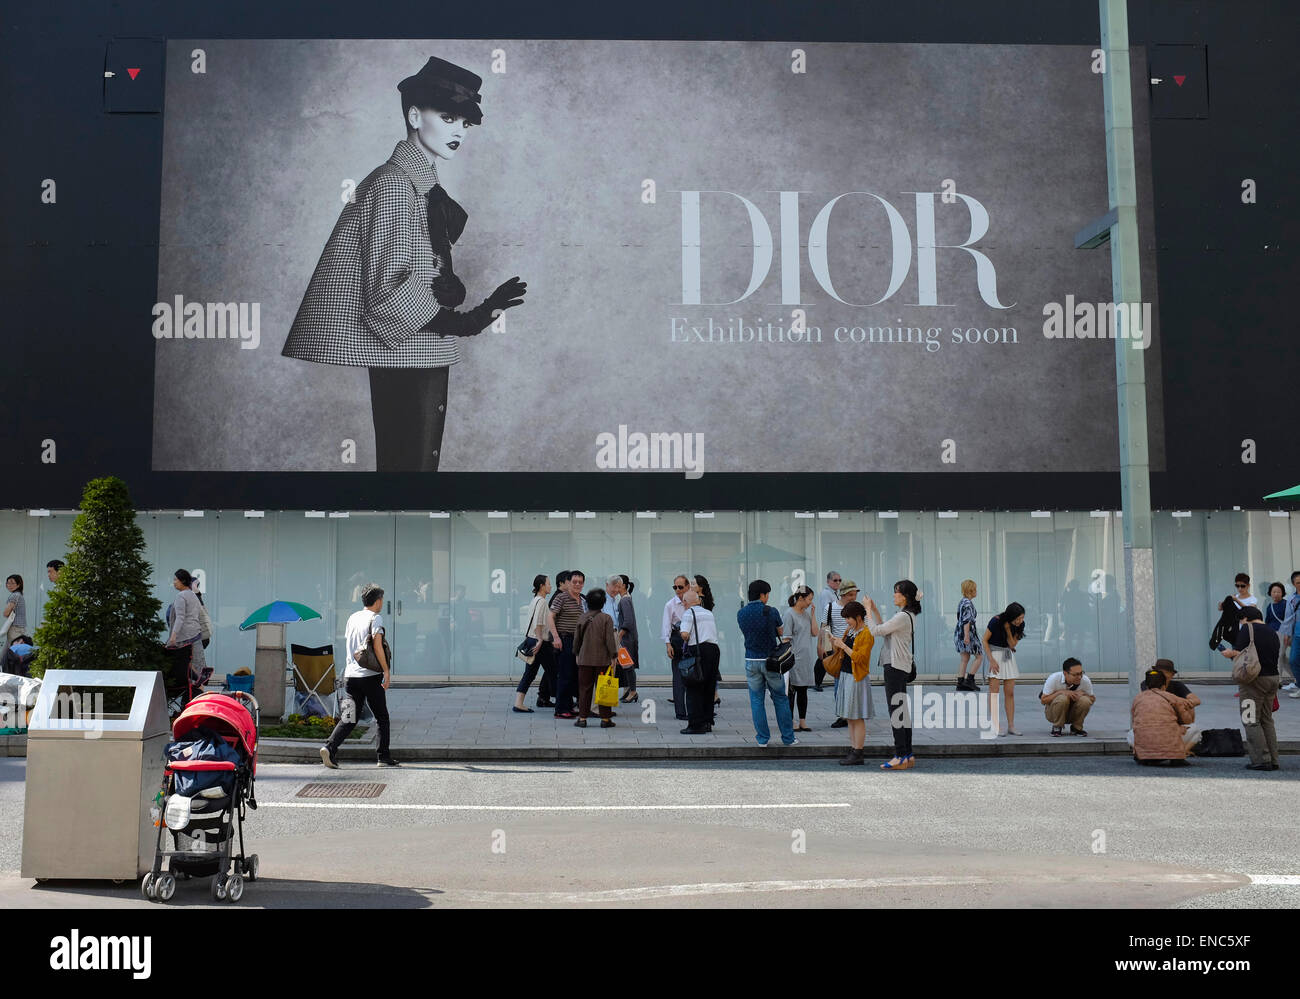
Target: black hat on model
443	85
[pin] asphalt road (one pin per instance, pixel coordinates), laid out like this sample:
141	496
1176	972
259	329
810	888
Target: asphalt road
1035	832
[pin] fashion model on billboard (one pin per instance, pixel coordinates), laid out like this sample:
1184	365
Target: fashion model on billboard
384	295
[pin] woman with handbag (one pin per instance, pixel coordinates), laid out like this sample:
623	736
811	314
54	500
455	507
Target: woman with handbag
701	586
596	650
898	663
699	643
627	639
850	665
541	628
1001	637
799	623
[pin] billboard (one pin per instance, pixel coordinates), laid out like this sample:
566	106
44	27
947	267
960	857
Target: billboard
727	257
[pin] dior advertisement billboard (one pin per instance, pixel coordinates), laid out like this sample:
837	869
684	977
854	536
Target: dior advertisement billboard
580	256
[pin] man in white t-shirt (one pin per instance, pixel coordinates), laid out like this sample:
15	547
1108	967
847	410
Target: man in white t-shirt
363	686
1067	696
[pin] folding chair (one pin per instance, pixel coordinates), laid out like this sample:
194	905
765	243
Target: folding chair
313	676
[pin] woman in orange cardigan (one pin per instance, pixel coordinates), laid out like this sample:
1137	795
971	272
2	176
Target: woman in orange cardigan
854	688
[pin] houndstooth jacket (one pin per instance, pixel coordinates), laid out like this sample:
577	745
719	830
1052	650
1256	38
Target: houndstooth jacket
369	297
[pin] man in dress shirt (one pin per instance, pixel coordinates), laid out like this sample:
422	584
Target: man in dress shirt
670	633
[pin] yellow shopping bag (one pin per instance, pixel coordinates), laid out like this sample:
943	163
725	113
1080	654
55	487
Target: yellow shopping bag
607	689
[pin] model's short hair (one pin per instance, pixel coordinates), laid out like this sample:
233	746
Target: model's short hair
595	598
1241	577
968	587
853	609
370	593
758	587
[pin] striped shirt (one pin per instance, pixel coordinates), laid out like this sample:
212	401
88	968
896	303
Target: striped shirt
568	612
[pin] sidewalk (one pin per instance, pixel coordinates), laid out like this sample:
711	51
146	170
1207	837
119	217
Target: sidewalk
476	723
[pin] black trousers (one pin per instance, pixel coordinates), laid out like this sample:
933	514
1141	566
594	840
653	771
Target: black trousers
679	688
543	661
900	721
699	700
364	690
566	677
798	701
819	674
409	407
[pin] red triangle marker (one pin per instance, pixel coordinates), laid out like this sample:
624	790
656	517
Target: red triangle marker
1177	79
136	72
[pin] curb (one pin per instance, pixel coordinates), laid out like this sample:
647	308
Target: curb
280	753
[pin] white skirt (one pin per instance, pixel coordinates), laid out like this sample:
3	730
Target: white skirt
1007	669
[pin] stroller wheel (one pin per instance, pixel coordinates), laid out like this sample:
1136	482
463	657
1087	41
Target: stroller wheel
166	887
219	888
146	886
234	888
250	867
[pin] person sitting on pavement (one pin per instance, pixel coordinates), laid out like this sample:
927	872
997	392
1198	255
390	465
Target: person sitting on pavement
1067	697
1162	724
1175	687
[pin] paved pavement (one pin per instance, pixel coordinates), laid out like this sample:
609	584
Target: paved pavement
475	722
1020	832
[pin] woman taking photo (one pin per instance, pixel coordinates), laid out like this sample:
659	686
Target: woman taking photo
853	689
627	638
966	638
1001	637
184	648
896	662
700	638
701	586
541	626
799	625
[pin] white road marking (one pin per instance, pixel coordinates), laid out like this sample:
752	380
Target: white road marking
543	808
1274	879
822	884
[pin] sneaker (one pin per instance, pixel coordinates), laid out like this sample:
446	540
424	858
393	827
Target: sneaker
762	745
1058	729
1291	686
1077	731
388	761
1296	694
792	742
327	758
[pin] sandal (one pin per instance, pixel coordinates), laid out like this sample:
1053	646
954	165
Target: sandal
896	763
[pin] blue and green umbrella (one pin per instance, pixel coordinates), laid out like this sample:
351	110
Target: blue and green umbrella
278	612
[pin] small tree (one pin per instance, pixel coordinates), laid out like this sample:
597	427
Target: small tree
103	614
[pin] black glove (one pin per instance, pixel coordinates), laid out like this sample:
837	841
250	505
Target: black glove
449	322
448	290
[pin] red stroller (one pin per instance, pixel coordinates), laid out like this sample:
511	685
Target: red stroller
202	800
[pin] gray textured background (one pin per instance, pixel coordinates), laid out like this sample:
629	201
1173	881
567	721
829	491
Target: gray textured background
256	151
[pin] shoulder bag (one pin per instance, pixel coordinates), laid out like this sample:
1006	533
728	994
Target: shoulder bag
689	665
527	649
1245	667
825	643
368	660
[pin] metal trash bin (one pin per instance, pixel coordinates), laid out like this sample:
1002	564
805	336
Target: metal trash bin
91	780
